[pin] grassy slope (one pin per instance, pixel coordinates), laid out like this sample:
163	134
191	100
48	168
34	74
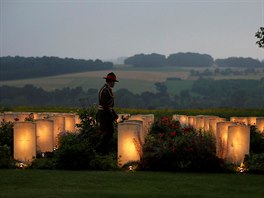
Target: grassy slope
38	183
136	80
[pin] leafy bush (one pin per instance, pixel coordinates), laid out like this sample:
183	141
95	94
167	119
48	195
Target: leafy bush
6	135
77	151
171	147
256	163
256	141
6	160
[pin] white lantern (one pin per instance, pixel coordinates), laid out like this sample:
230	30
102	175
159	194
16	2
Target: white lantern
25	141
10	116
221	138
212	124
207	122
260	124
199	122
129	148
45	139
192	121
238	143
142	134
183	119
59	126
240	120
252	121
70	122
146	124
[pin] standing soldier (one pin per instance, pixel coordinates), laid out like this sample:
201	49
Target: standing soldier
106	116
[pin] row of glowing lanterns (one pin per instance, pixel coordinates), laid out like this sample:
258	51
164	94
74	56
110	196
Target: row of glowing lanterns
232	137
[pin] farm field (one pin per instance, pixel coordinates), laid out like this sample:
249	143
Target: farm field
54	183
136	80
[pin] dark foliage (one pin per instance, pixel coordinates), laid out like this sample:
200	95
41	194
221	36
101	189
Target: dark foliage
13	68
170	147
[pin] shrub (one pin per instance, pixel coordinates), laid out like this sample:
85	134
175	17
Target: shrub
256	163
171	147
77	151
6	160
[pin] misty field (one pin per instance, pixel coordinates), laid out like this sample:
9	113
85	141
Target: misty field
54	183
136	80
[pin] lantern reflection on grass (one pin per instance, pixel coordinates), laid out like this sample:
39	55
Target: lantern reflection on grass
25	145
129	148
238	142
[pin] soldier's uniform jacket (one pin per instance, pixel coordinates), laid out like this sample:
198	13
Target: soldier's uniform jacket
106	102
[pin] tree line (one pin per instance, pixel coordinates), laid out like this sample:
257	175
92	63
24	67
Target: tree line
18	67
205	93
190	59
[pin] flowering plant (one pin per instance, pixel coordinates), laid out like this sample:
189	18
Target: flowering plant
169	146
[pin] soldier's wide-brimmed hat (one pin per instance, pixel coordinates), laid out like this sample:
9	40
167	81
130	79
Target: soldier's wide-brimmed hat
112	77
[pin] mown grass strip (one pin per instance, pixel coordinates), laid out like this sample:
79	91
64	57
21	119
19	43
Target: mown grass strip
47	183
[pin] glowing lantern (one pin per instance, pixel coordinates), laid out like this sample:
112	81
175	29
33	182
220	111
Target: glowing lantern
142	134
59	126
252	121
37	116
240	120
122	117
260	124
22	116
238	142
128	142
207	122
45	142
9	116
146	124
77	119
192	121
199	122
24	141
70	122
183	119
221	138
1	117
212	124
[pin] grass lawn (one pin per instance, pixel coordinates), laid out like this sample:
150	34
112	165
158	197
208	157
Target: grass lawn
77	184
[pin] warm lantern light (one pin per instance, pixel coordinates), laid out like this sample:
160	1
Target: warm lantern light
24	141
199	122
122	117
77	119
128	142
45	142
59	126
183	119
142	134
252	121
192	121
238	143
212	124
10	116
240	120
260	124
22	116
221	138
70	122
207	122
146	123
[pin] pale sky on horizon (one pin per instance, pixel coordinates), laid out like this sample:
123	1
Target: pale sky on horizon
108	29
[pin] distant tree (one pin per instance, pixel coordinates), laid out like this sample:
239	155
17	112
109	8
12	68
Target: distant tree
260	35
146	60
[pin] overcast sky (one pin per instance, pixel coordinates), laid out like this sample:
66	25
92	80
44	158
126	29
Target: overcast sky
108	29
